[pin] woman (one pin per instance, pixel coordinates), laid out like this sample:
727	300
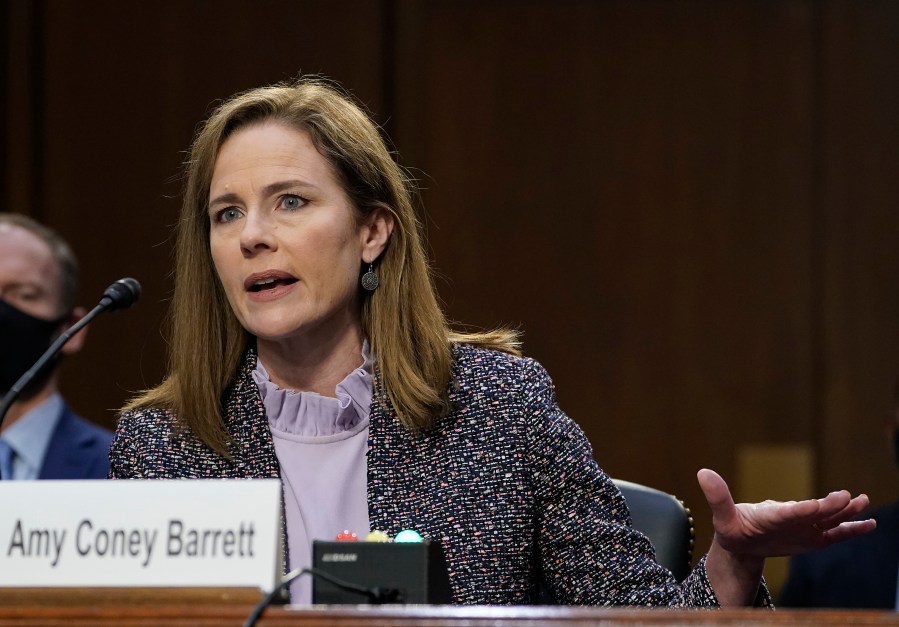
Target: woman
307	344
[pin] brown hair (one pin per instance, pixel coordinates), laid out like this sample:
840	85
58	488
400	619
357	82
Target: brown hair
403	321
62	255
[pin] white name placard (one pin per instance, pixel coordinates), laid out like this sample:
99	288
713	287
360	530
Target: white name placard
147	533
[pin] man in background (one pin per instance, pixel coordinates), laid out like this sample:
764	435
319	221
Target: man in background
862	573
41	438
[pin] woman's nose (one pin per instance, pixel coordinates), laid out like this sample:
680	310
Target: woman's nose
257	234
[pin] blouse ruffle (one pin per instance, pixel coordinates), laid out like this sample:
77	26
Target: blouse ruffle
304	415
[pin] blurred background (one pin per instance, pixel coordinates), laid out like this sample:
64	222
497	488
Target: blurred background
690	207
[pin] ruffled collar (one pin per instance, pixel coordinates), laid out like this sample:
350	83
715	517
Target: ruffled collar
311	415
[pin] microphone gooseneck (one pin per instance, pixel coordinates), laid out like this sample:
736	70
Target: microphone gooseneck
120	295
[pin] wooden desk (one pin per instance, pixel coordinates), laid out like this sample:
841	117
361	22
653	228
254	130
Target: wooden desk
234	614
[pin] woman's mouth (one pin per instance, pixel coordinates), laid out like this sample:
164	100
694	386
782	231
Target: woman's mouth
270	283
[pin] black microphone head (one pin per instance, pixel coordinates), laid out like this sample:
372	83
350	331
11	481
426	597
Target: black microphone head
121	294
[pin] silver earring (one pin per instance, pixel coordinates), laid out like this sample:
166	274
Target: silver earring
370	279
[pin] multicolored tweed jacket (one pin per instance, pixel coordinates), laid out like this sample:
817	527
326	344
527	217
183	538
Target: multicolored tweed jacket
506	482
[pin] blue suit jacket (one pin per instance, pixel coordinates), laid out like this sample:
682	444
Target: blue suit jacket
859	573
78	449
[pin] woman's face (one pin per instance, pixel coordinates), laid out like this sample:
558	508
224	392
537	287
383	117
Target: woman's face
283	237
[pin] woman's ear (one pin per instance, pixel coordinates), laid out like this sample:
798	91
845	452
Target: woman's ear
376	230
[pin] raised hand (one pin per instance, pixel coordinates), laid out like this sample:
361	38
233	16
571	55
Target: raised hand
773	528
747	533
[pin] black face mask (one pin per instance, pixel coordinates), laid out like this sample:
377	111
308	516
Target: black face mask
23	339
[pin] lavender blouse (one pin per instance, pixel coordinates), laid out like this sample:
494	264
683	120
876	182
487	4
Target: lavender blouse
321	444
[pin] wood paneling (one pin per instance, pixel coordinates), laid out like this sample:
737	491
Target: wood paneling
859	259
632	183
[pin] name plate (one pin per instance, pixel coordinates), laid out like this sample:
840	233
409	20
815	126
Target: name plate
146	533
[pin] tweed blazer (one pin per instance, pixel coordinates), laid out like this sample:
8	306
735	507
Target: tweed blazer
506	482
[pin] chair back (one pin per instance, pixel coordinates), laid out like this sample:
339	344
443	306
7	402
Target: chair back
666	521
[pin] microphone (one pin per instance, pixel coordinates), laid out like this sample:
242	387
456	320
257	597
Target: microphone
120	295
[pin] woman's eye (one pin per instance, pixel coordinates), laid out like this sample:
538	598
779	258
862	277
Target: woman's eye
227	215
291	201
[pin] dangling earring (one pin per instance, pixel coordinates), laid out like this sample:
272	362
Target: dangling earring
370	279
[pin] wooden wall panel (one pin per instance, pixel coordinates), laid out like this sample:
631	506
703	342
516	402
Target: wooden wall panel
631	183
19	23
859	264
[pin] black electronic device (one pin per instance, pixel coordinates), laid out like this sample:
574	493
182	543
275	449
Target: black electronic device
405	572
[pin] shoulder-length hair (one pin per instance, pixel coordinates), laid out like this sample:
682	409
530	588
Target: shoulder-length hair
406	328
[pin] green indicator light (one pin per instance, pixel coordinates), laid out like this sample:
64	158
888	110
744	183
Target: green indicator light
407	535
